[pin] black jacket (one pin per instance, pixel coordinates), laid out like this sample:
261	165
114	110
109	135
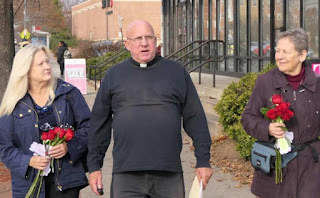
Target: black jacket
60	54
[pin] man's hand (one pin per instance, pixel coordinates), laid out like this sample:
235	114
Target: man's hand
95	181
58	151
204	175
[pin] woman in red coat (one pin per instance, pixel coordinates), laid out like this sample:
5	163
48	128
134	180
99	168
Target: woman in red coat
294	80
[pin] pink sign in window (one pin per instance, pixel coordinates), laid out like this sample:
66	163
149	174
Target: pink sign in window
316	68
75	73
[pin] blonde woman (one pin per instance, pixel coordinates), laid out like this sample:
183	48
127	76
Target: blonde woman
34	98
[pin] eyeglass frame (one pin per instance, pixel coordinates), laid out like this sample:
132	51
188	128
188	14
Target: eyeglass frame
139	39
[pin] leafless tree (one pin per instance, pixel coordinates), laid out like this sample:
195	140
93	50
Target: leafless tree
67	4
66	7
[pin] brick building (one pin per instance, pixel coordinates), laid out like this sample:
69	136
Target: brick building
91	22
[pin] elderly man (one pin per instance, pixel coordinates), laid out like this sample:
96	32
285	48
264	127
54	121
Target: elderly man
143	99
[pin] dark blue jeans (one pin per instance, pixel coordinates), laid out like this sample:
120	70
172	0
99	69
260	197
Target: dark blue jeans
147	184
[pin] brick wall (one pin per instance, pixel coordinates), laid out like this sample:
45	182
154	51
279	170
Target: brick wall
90	22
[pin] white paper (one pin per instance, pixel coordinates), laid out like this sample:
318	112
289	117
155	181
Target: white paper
196	189
284	144
39	149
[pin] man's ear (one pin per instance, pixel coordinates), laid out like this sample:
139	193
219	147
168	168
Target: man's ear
126	43
303	55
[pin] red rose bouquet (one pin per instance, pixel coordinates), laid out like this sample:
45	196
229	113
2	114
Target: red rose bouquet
50	137
279	112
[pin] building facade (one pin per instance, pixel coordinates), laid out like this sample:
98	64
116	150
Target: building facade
247	27
92	22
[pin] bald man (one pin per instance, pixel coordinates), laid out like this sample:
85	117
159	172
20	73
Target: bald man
142	100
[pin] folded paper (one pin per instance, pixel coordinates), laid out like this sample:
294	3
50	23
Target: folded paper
196	189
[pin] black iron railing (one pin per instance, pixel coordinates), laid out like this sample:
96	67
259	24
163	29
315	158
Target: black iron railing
98	73
213	55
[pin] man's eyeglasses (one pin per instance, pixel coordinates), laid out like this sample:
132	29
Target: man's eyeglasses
139	39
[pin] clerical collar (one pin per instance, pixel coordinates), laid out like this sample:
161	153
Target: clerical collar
149	64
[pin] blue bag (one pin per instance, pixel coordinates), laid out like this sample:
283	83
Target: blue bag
263	156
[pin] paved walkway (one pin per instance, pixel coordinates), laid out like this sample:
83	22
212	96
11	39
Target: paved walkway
222	185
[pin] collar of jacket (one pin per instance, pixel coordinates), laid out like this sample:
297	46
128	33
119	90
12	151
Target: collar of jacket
62	88
279	79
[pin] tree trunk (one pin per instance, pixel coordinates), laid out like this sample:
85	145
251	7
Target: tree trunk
7	49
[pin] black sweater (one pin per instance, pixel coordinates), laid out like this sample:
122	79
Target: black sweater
144	107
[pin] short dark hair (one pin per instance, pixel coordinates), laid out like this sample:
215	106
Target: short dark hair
63	43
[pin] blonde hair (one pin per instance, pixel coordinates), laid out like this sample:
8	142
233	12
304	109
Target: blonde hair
18	83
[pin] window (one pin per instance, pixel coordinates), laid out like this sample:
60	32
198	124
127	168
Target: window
254	3
241	3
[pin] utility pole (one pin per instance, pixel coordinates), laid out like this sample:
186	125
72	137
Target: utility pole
107	29
25	14
120	25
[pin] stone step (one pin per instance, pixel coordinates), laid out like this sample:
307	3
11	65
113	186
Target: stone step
213	124
206	87
212	92
215	130
212	117
208	104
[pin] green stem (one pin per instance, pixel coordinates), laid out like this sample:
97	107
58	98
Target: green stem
33	185
40	186
52	165
278	168
279	120
55	142
58	141
62	140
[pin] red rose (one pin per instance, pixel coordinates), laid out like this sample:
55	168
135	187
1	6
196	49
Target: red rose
282	110
56	130
51	135
287	114
283	106
272	114
69	134
61	133
276	99
44	136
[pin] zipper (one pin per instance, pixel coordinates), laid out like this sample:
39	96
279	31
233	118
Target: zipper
58	175
55	108
294	95
57	160
260	155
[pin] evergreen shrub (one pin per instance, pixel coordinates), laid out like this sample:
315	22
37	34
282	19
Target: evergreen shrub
70	40
232	105
99	61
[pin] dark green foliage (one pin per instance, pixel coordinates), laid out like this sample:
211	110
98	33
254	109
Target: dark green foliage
70	40
99	62
232	105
